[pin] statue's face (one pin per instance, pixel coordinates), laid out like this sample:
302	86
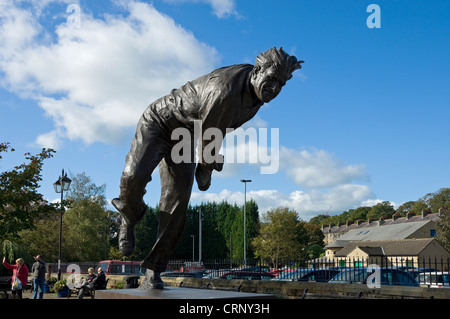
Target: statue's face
267	83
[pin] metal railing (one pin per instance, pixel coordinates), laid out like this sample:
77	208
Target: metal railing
431	272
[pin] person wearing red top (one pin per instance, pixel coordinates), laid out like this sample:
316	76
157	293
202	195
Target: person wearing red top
20	270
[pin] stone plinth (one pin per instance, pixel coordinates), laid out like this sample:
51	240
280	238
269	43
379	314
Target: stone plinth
176	293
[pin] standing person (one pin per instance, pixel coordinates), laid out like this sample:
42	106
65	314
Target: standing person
226	98
20	270
38	269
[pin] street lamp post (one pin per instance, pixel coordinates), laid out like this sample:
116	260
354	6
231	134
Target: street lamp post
193	248
200	235
245	181
61	185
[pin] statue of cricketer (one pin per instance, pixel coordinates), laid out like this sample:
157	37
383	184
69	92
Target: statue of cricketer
224	99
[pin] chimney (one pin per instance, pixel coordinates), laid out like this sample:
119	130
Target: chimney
349	222
410	214
425	212
370	219
381	221
359	222
395	216
331	225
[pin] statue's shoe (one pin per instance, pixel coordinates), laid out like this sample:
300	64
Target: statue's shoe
152	280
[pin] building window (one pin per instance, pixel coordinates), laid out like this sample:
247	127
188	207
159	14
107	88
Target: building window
432	232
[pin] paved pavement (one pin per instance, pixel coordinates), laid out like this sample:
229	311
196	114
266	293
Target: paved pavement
52	295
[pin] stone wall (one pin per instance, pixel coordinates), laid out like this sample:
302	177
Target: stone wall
288	289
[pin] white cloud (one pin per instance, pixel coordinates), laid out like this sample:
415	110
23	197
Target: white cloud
310	169
325	181
221	8
318	168
307	203
49	140
95	81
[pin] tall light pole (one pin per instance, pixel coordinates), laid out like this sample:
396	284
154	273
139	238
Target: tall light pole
200	235
245	181
61	185
193	248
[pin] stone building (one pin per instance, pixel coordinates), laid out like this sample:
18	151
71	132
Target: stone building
420	253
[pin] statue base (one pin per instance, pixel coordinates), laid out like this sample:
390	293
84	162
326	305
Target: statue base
177	293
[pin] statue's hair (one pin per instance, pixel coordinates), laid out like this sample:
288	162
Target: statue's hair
284	62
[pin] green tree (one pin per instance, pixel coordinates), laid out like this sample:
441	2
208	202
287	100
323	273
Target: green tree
226	216
83	188
443	233
359	213
418	207
252	230
314	234
321	219
85	226
43	239
87	221
404	208
20	202
383	209
214	244
282	236
88	231
146	232
439	199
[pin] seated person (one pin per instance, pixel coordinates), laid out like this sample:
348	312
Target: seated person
88	283
99	282
92	282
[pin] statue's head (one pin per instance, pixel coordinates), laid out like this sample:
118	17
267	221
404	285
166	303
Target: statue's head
272	70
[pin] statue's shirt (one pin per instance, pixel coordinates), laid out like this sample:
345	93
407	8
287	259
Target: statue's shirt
222	99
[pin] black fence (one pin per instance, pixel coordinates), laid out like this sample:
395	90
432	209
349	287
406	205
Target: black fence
67	267
427	272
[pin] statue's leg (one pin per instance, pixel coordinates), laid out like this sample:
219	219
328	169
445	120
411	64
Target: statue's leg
148	147
176	187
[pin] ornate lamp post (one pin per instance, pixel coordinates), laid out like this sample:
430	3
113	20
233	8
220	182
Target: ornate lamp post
61	185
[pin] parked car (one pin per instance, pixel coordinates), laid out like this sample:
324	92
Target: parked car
416	271
193	267
435	279
256	269
215	273
192	274
317	275
247	274
388	276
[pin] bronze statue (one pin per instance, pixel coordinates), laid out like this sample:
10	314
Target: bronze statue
226	98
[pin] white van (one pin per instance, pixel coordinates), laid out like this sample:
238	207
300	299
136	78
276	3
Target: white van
434	279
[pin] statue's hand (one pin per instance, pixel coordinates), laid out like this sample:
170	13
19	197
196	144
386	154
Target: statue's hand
219	163
203	172
203	177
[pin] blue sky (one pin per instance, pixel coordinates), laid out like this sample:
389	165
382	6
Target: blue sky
365	120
